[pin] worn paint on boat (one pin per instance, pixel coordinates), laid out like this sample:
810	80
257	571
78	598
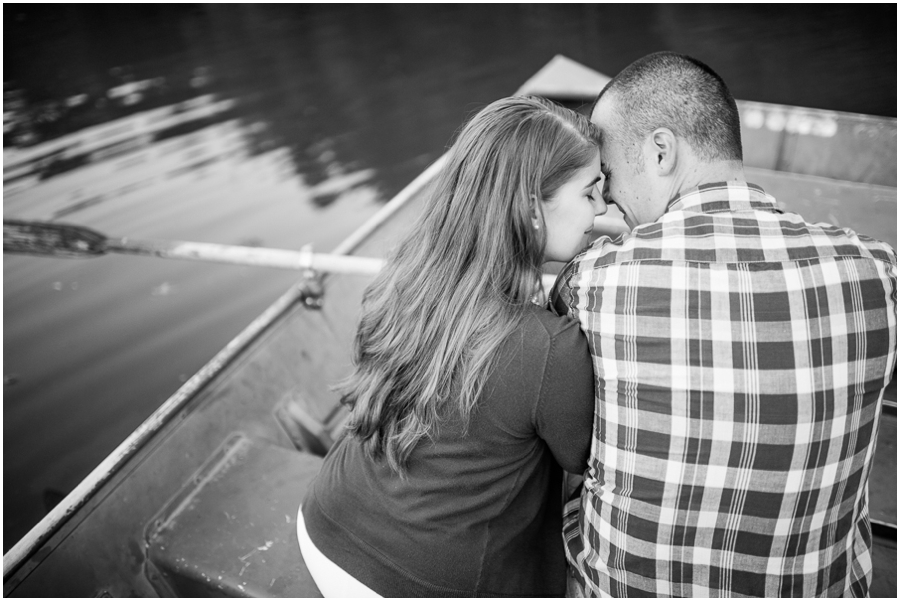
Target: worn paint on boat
202	498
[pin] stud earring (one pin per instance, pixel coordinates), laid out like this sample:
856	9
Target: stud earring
534	220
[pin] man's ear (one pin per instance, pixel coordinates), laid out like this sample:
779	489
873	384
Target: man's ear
664	150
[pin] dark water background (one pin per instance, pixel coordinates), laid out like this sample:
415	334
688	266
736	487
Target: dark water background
280	126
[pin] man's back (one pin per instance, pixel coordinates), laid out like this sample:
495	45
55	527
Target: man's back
740	358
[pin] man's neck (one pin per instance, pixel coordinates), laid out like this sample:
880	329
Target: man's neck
699	174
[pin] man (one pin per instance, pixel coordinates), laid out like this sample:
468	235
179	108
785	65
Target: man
740	357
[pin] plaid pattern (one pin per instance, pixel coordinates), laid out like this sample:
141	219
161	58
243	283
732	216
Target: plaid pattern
740	357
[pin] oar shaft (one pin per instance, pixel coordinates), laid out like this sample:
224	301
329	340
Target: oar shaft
247	255
265	257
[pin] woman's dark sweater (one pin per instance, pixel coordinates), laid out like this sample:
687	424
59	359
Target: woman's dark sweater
480	514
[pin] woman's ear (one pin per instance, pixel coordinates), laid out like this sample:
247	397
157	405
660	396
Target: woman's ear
535	212
664	148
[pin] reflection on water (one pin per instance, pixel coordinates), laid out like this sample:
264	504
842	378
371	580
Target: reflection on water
111	162
280	126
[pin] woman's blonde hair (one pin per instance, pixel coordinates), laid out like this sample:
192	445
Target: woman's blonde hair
459	283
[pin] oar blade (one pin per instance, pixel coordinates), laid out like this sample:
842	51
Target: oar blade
54	239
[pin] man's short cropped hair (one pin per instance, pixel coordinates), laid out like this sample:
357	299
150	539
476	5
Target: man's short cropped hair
672	90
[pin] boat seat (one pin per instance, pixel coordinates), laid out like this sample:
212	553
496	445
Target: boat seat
232	529
306	432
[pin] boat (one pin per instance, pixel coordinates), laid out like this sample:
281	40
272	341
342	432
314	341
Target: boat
201	499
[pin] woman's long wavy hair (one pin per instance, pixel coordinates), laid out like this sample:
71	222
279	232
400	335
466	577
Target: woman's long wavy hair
459	283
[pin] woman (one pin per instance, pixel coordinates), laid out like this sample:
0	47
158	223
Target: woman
467	398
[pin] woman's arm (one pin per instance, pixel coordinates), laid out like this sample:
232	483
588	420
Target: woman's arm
564	415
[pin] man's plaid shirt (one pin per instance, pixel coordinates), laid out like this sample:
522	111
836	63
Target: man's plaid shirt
740	359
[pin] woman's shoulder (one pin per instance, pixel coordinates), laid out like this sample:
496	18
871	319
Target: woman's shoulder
545	323
542	333
539	334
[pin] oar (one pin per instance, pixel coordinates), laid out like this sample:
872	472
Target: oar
74	241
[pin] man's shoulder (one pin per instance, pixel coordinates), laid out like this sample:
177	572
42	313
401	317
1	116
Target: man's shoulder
607	251
602	253
644	244
828	240
876	249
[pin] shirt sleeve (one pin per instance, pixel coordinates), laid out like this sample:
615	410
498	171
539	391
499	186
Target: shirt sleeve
564	415
560	300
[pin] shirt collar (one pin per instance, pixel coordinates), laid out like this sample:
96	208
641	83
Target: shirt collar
723	197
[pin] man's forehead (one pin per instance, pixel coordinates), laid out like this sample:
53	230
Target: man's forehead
602	116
